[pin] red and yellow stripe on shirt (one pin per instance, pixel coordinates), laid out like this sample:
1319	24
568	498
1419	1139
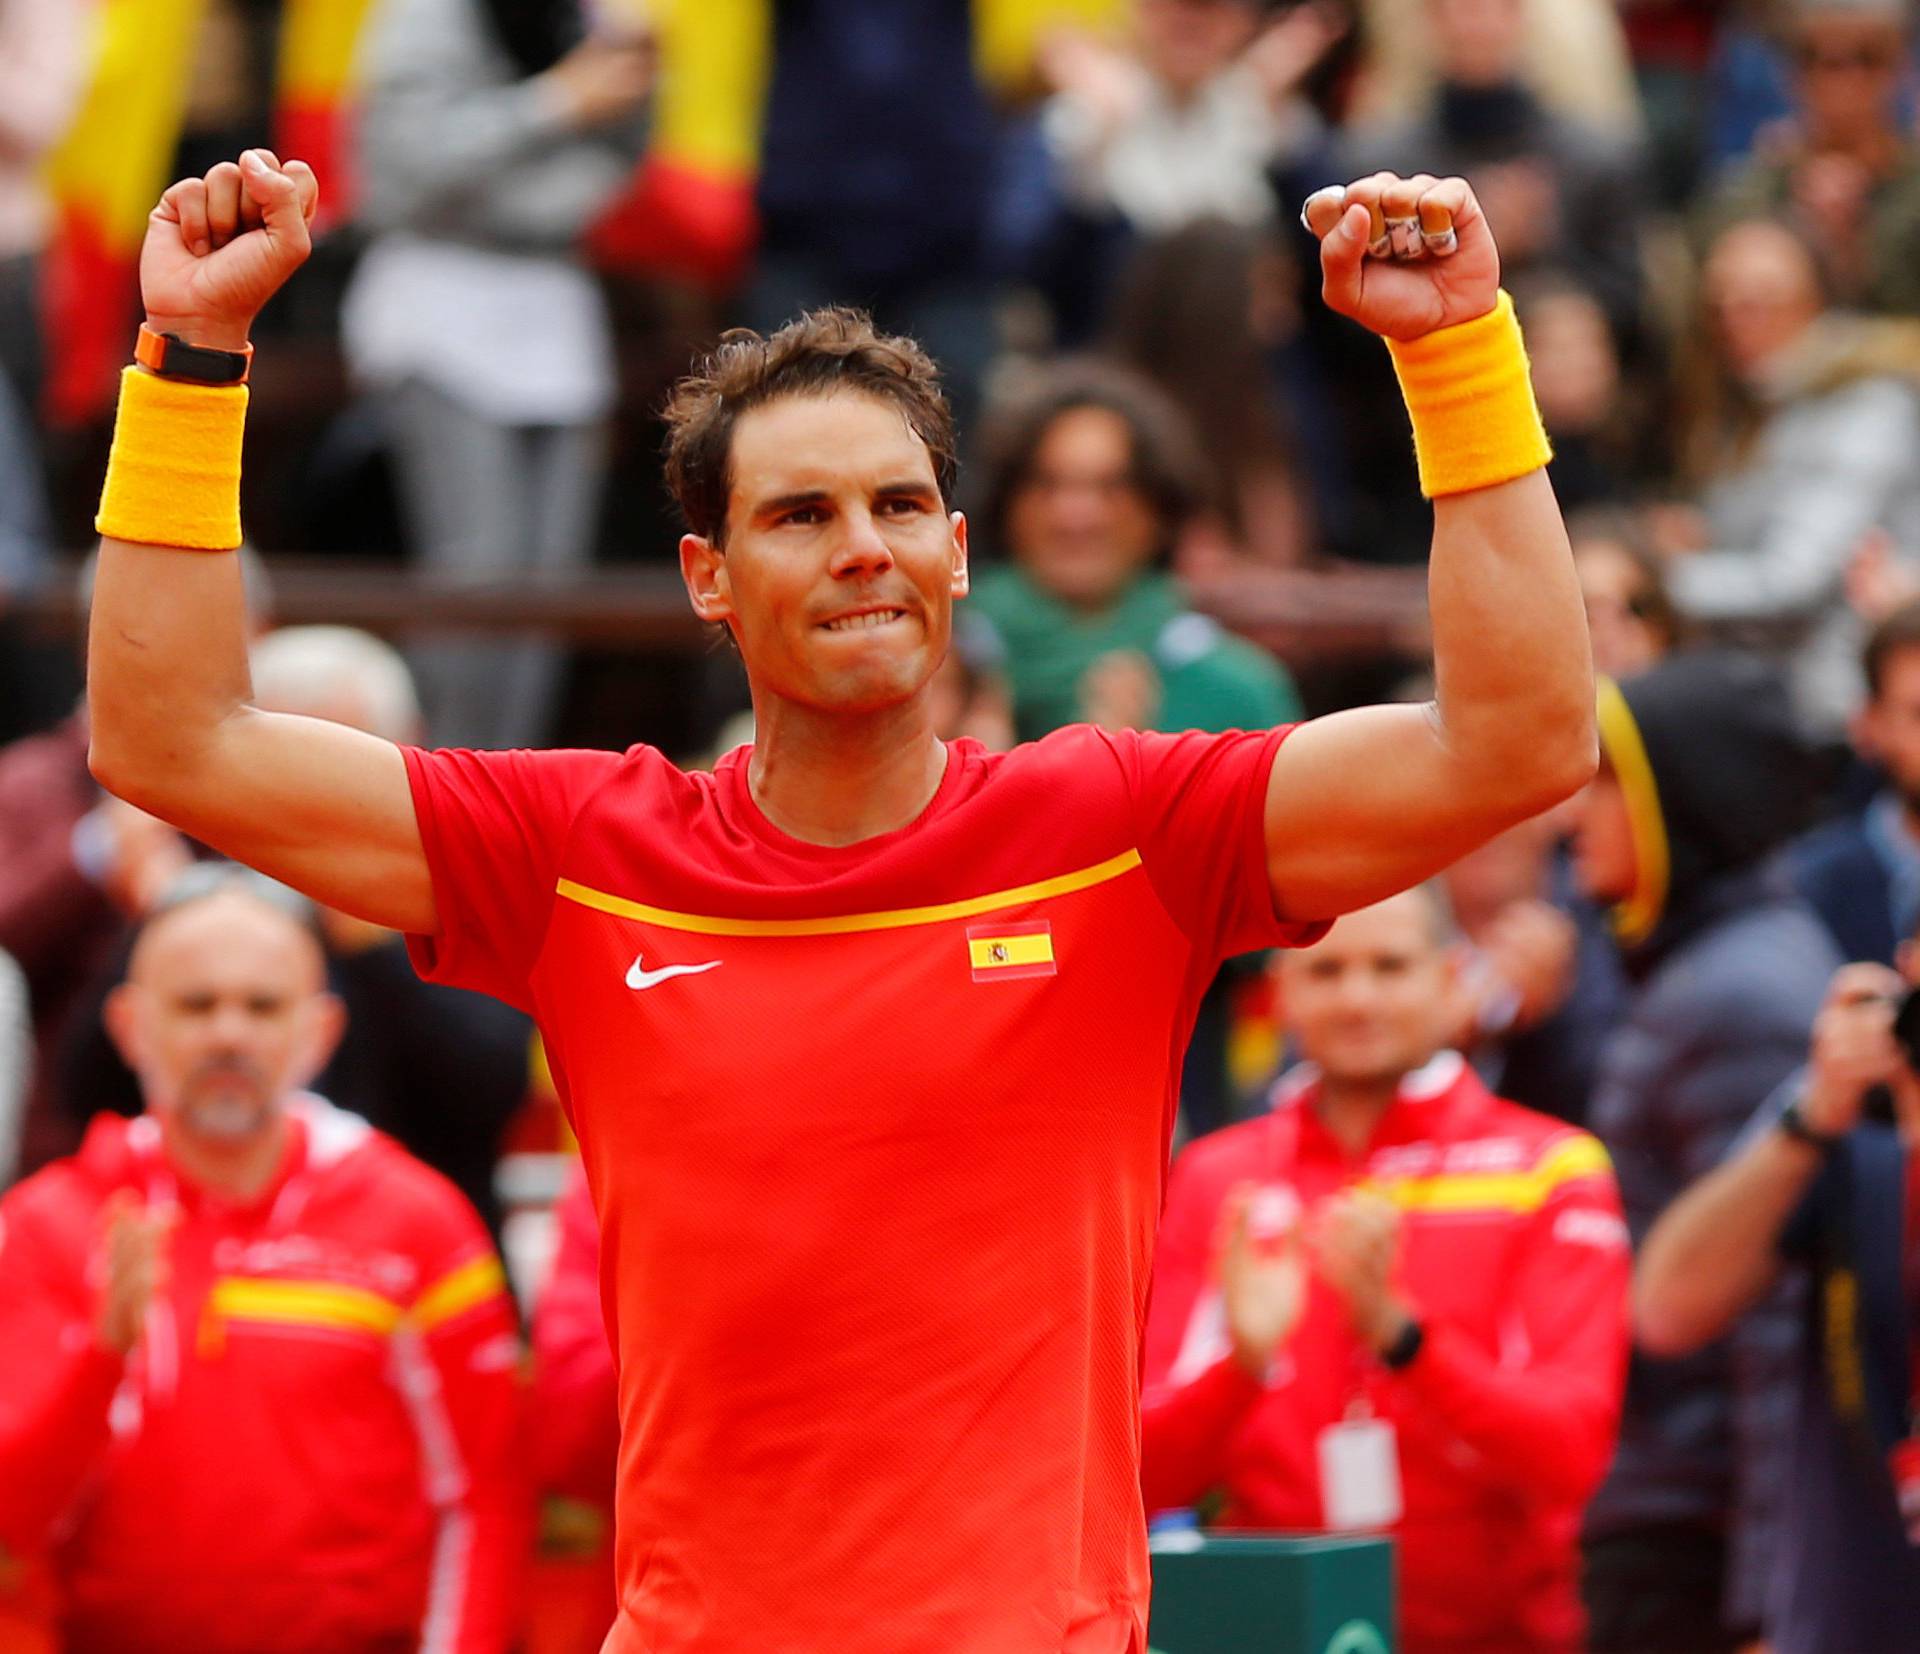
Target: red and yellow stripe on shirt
330	1307
1518	1192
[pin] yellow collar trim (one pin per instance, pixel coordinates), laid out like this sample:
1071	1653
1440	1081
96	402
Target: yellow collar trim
842	924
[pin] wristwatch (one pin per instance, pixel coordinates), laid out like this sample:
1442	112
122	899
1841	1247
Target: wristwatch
171	357
1793	1121
1405	1346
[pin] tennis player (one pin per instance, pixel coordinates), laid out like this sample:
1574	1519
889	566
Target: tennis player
871	1041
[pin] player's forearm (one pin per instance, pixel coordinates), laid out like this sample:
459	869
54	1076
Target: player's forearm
1511	662
166	669
1714	1250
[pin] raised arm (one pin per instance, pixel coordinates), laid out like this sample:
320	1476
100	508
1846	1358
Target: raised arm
325	808
1367	802
1716	1250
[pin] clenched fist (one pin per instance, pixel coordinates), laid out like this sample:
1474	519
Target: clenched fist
219	247
1404	256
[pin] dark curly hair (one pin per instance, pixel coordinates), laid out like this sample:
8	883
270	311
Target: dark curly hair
824	351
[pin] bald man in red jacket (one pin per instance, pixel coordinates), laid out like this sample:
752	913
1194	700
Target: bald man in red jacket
1423	1328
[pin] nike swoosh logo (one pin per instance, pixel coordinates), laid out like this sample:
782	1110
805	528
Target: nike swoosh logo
640	978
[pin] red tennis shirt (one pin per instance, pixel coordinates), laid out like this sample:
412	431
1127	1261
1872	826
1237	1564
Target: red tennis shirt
877	1135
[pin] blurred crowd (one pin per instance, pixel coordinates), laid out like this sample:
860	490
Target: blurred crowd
1582	1174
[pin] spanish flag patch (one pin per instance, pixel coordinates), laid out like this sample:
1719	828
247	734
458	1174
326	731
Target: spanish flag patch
1000	953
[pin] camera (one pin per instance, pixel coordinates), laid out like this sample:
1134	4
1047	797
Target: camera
1878	1103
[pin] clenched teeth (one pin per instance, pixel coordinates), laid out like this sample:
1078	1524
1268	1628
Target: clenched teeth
865	622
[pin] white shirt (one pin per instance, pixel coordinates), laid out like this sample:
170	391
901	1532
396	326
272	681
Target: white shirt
520	338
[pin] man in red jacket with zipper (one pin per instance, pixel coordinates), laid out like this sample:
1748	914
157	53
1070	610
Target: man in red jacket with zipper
1424	1319
260	1388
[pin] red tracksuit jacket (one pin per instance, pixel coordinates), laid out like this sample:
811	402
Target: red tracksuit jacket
310	1450
1514	1256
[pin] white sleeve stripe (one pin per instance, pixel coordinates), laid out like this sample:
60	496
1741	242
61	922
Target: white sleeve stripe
445	1483
447	1587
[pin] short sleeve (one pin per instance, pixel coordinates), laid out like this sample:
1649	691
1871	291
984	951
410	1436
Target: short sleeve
494	825
1199	805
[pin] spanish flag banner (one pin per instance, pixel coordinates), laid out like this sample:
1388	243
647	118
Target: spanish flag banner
314	81
691	210
1006	952
105	178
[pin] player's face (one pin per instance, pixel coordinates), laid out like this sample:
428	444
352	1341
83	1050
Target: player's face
1889	727
223	1013
841	562
1079	524
1604	862
1369	1002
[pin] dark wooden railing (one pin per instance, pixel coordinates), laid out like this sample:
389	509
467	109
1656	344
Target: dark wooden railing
1307	617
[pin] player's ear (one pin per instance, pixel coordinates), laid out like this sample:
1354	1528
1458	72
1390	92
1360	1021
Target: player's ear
703	566
962	582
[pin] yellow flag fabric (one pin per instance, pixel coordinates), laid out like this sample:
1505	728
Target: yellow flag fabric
104	178
314	82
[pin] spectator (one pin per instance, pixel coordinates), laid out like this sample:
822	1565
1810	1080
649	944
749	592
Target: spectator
1577	382
43	60
73	867
1540	986
1468	1291
1844	171
1573	58
1187	127
441	1070
1806	437
1630	617
1861	874
972	697
1207	314
490	135
882	166
1094	477
1561	194
1823	1179
249	1275
1702	777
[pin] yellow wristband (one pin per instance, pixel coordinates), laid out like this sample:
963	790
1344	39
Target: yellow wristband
173	478
1474	419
